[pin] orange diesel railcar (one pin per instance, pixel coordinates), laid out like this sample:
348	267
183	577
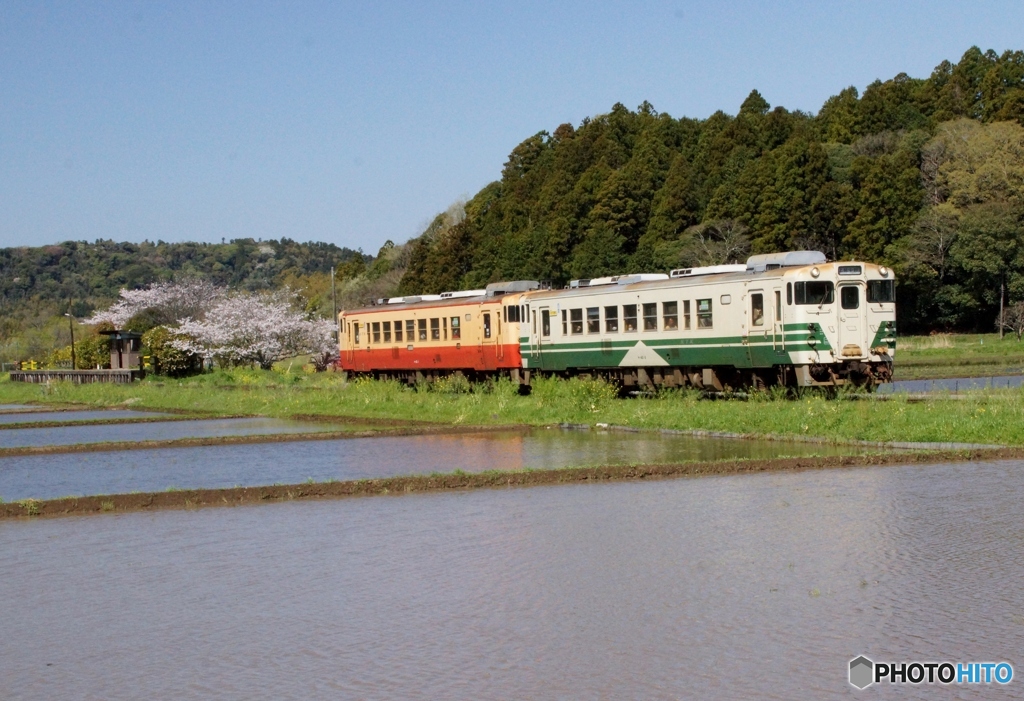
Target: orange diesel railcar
428	336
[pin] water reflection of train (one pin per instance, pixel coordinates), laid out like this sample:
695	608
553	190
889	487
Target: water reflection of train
789	319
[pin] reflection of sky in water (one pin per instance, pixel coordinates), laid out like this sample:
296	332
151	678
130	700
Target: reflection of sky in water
111	414
706	588
156	431
47	476
960	384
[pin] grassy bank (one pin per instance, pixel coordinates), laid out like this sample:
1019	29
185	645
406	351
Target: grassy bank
958	355
988	417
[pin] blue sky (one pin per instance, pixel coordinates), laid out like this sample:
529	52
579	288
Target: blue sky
356	123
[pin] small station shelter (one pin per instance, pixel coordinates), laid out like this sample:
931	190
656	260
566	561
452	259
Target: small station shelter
124	349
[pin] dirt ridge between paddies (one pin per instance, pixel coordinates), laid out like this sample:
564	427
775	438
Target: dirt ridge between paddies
110	446
240	496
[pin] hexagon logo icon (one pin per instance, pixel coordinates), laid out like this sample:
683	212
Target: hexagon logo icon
862	672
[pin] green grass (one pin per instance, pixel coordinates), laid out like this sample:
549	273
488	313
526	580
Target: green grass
990	416
957	355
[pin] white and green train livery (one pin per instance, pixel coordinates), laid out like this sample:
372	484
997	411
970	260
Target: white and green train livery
782	319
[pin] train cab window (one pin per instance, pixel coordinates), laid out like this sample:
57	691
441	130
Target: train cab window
376	332
651	317
611	319
686	314
593	319
504	314
789	294
576	321
527	312
398	332
778	305
704	320
355	332
422	329
387	332
457	329
565	325
545	322
535	323
881	291
757	309
849	297
817	292
670	315
435	329
629	317
487	325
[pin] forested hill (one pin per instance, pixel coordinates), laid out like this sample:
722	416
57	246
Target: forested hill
89	273
925	174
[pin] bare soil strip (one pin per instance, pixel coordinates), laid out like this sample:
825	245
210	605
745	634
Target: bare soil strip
238	496
253	438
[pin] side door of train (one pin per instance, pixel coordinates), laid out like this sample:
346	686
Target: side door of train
766	340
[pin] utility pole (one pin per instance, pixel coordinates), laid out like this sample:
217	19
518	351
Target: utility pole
1001	293
334	300
71	327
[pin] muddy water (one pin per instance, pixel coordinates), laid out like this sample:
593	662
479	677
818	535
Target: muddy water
157	431
733	587
106	414
48	476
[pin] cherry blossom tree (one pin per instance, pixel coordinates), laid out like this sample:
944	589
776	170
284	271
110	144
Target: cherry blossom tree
166	303
254	328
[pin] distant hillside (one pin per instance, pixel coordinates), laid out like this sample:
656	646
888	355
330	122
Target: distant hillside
90	274
926	175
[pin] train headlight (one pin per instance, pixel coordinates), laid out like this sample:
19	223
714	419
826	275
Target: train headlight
883	271
815	272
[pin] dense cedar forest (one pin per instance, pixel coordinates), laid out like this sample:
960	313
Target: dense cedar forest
926	175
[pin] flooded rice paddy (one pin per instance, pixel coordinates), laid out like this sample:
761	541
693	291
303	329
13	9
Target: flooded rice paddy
732	587
156	431
210	467
954	384
85	415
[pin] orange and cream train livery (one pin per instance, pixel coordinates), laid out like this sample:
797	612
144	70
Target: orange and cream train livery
475	332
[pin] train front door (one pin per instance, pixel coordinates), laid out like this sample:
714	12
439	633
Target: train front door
853	340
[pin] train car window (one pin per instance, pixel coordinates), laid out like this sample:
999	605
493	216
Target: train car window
456	329
376	332
670	315
789	294
593	319
355	328
422	323
651	317
686	314
849	297
520	316
817	292
881	291
487	325
545	322
387	332
629	317
534	322
757	309
576	320
565	325
778	305
444	327
611	319
704	320
410	329
527	317
435	329
398	332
